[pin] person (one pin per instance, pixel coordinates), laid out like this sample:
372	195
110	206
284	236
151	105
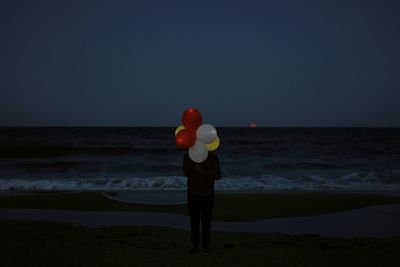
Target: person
200	197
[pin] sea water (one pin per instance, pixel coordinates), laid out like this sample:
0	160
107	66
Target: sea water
251	159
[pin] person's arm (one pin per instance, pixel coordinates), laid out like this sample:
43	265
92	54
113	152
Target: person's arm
187	169
216	169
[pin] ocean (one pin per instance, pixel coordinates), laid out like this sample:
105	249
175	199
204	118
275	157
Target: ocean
251	159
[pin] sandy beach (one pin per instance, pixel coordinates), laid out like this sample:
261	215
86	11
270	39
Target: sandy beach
50	243
228	206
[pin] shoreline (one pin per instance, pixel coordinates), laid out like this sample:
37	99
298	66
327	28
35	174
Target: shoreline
231	206
395	193
373	221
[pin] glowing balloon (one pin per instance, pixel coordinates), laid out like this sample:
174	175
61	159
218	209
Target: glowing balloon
198	152
214	145
191	118
206	133
180	128
185	138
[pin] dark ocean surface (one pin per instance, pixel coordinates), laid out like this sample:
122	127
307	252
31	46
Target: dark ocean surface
251	159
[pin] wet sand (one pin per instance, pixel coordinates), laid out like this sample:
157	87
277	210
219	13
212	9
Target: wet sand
374	221
227	206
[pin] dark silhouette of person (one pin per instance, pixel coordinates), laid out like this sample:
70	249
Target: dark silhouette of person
200	197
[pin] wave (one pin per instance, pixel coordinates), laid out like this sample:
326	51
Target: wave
46	151
46	168
301	165
349	182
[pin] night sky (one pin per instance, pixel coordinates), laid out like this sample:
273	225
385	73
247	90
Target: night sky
142	63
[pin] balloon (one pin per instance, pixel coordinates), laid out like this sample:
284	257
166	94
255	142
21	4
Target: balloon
198	152
185	138
214	145
206	133
191	118
180	128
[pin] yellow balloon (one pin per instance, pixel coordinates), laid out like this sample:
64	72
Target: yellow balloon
180	128
214	145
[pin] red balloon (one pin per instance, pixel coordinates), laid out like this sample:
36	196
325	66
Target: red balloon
191	118
185	138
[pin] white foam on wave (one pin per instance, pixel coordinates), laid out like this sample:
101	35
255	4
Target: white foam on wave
349	182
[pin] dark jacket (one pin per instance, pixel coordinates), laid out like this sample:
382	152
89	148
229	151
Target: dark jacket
201	176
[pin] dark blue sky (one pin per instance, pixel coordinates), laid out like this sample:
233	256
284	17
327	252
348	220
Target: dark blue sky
142	63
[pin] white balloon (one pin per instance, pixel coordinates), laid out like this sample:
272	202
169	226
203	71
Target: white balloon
206	133
198	152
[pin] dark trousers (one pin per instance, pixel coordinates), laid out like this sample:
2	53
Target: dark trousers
200	209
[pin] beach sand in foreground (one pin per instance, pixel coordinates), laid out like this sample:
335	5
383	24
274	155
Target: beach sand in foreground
51	244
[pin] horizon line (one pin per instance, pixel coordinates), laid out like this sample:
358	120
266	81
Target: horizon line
227	126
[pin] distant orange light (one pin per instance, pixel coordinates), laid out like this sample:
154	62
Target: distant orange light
253	125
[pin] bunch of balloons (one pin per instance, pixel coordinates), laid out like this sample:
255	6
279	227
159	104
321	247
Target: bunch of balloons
199	138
